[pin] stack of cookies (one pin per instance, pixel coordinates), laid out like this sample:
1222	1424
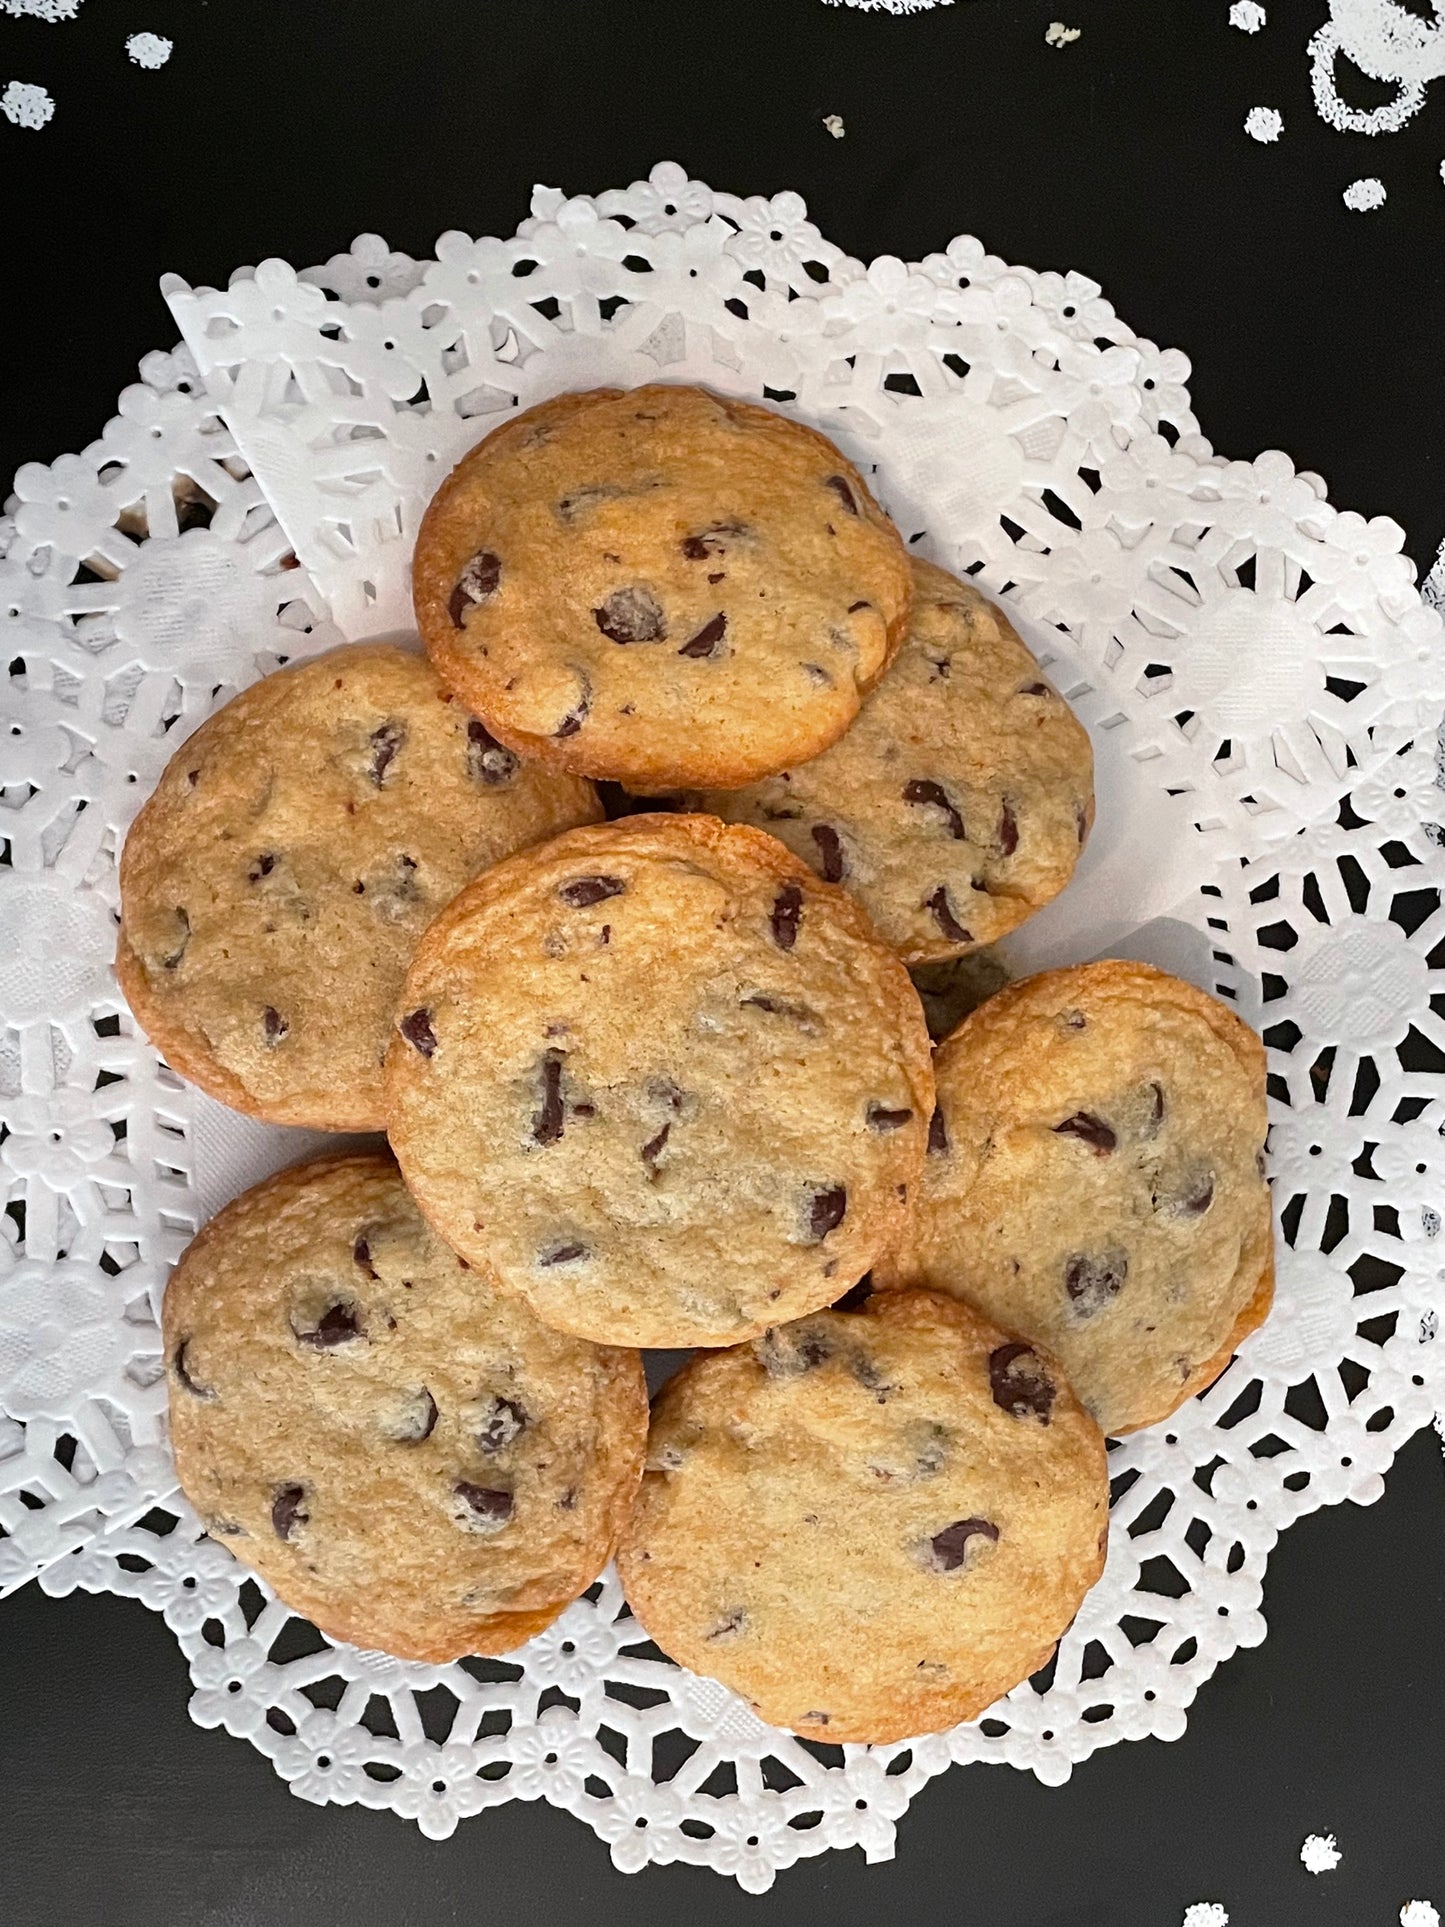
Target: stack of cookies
654	1075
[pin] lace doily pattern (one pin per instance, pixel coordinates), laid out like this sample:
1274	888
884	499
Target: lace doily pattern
1262	683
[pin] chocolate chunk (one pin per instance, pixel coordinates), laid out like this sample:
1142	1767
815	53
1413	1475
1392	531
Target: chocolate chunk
652	1150
710	541
880	1118
488	1507
937	1133
949	1548
1193	1198
943	916
786	915
928	794
275	1025
1081	821
786	1351
503	1421
262	867
568	1500
337	1325
844	493
830	851
582	892
477	581
361	1255
418	1422
1072	1020
854	607
574	719
173	957
1019	1383
1035	689
814	1719
1008	831
385	743
707	643
631	615
416	1028
826	1208
288	1510
488	761
582	499
1091	1130
729	1624
801	1014
1094	1280
548	1123
192	1385
566	1254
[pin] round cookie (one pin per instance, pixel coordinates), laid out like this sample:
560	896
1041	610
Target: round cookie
274	886
662	1081
869	1524
1096	1182
661	586
411	1459
958	802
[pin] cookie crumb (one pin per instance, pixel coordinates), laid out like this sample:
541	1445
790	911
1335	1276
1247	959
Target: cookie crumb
1058	35
1362	197
26	106
1419	1913
1205	1913
834	125
1245	15
149	49
1264	124
1319	1853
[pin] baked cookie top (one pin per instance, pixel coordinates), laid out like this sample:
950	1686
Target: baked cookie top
870	1524
1096	1182
274	886
662	586
411	1459
662	1081
958	802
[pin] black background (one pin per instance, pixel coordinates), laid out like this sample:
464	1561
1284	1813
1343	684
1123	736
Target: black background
284	127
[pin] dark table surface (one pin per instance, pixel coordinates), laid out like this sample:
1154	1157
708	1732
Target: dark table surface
288	126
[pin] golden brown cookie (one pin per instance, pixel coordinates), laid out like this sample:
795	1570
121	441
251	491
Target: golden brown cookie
662	1081
1095	1182
958	802
411	1459
662	586
274	886
870	1524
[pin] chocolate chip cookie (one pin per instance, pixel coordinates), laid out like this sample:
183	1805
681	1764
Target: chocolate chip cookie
662	1081
274	886
870	1524
1095	1182
410	1458
958	802
662	586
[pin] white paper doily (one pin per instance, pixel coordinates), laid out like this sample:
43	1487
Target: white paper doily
1263	686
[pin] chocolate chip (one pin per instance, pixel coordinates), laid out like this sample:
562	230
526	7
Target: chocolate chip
941	667
631	615
663	1091
881	1118
1019	1383
361	1255
262	867
826	1207
582	892
840	488
857	1295
385	743
488	1507
567	1254
815	672
276	1026
1090	1130
786	1351
1192	1200
1081	821
193	776
937	1133
173	957
926	793
814	1719
574	719
1072	1020
801	1014
192	1385
568	1500
854	607
584	1110
549	1121
477	581
503	1421
1094	1280
949	1548
786	915
707	643
418	1422
1008	831
288	1510
1035	689
729	1624
831	852
709	541
337	1325
582	499
488	761
943	916
416	1028
652	1150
